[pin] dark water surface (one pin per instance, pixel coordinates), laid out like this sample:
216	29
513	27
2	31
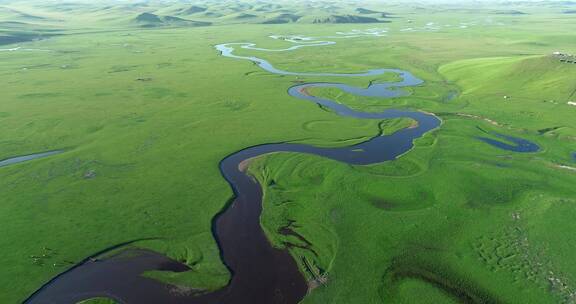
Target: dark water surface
261	274
111	277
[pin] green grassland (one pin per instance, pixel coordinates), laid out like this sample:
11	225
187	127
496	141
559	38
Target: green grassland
146	112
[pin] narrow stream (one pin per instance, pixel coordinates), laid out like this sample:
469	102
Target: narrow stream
25	158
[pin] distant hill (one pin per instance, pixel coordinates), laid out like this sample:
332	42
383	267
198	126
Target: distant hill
245	16
365	11
194	9
508	12
212	14
346	19
268	7
148	18
153	20
569	12
10	37
152	13
242	17
282	18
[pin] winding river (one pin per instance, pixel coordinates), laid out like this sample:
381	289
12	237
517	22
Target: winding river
261	274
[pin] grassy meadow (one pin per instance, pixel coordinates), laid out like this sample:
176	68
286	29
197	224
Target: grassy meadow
144	113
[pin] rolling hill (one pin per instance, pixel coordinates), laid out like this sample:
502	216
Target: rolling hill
153	20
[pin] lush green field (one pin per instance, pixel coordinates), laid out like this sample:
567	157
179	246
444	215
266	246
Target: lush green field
145	114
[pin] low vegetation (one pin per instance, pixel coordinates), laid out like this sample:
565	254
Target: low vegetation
145	109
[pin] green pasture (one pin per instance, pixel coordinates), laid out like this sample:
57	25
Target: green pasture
146	114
